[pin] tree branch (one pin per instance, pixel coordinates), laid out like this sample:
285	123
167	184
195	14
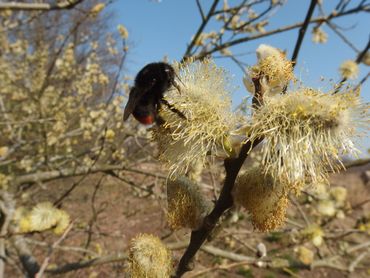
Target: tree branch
224	202
302	31
63	173
358	60
200	29
319	19
88	263
68	4
46	261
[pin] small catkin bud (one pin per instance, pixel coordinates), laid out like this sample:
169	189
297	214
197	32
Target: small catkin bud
273	69
349	69
305	255
186	205
263	198
43	217
319	35
149	258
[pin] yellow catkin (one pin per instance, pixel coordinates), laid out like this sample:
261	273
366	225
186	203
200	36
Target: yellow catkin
186	205
149	258
273	70
305	132
349	69
205	101
264	198
42	217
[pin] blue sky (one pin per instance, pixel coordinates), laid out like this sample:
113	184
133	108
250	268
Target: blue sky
165	28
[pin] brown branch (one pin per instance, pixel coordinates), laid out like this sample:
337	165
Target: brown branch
302	31
224	202
356	163
46	261
200	10
64	173
88	263
342	36
363	80
68	4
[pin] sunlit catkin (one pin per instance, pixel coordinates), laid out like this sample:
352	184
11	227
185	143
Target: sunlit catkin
186	205
349	69
149	258
263	197
273	70
305	132
205	102
44	216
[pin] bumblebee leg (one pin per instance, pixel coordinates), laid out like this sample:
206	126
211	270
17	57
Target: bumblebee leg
173	109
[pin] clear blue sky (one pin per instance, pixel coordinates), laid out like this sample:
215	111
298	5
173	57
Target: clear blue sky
165	28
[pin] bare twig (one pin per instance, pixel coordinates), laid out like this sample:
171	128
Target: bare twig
319	19
95	214
343	37
200	10
358	60
62	248
88	263
200	29
46	261
302	31
63	173
357	260
356	163
363	80
298	206
68	4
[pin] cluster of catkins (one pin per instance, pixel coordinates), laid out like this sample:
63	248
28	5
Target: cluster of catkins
303	133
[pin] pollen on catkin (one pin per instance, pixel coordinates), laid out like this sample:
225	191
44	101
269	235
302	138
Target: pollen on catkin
318	35
349	69
43	217
273	70
263	197
149	258
305	133
205	101
186	205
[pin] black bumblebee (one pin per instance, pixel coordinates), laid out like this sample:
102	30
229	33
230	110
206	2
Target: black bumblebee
146	96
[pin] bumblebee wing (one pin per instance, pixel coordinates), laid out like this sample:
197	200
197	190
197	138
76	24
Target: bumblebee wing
131	103
135	95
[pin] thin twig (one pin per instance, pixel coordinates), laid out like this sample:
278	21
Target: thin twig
302	31
39	6
200	29
363	80
46	261
88	263
358	60
319	19
357	260
200	10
